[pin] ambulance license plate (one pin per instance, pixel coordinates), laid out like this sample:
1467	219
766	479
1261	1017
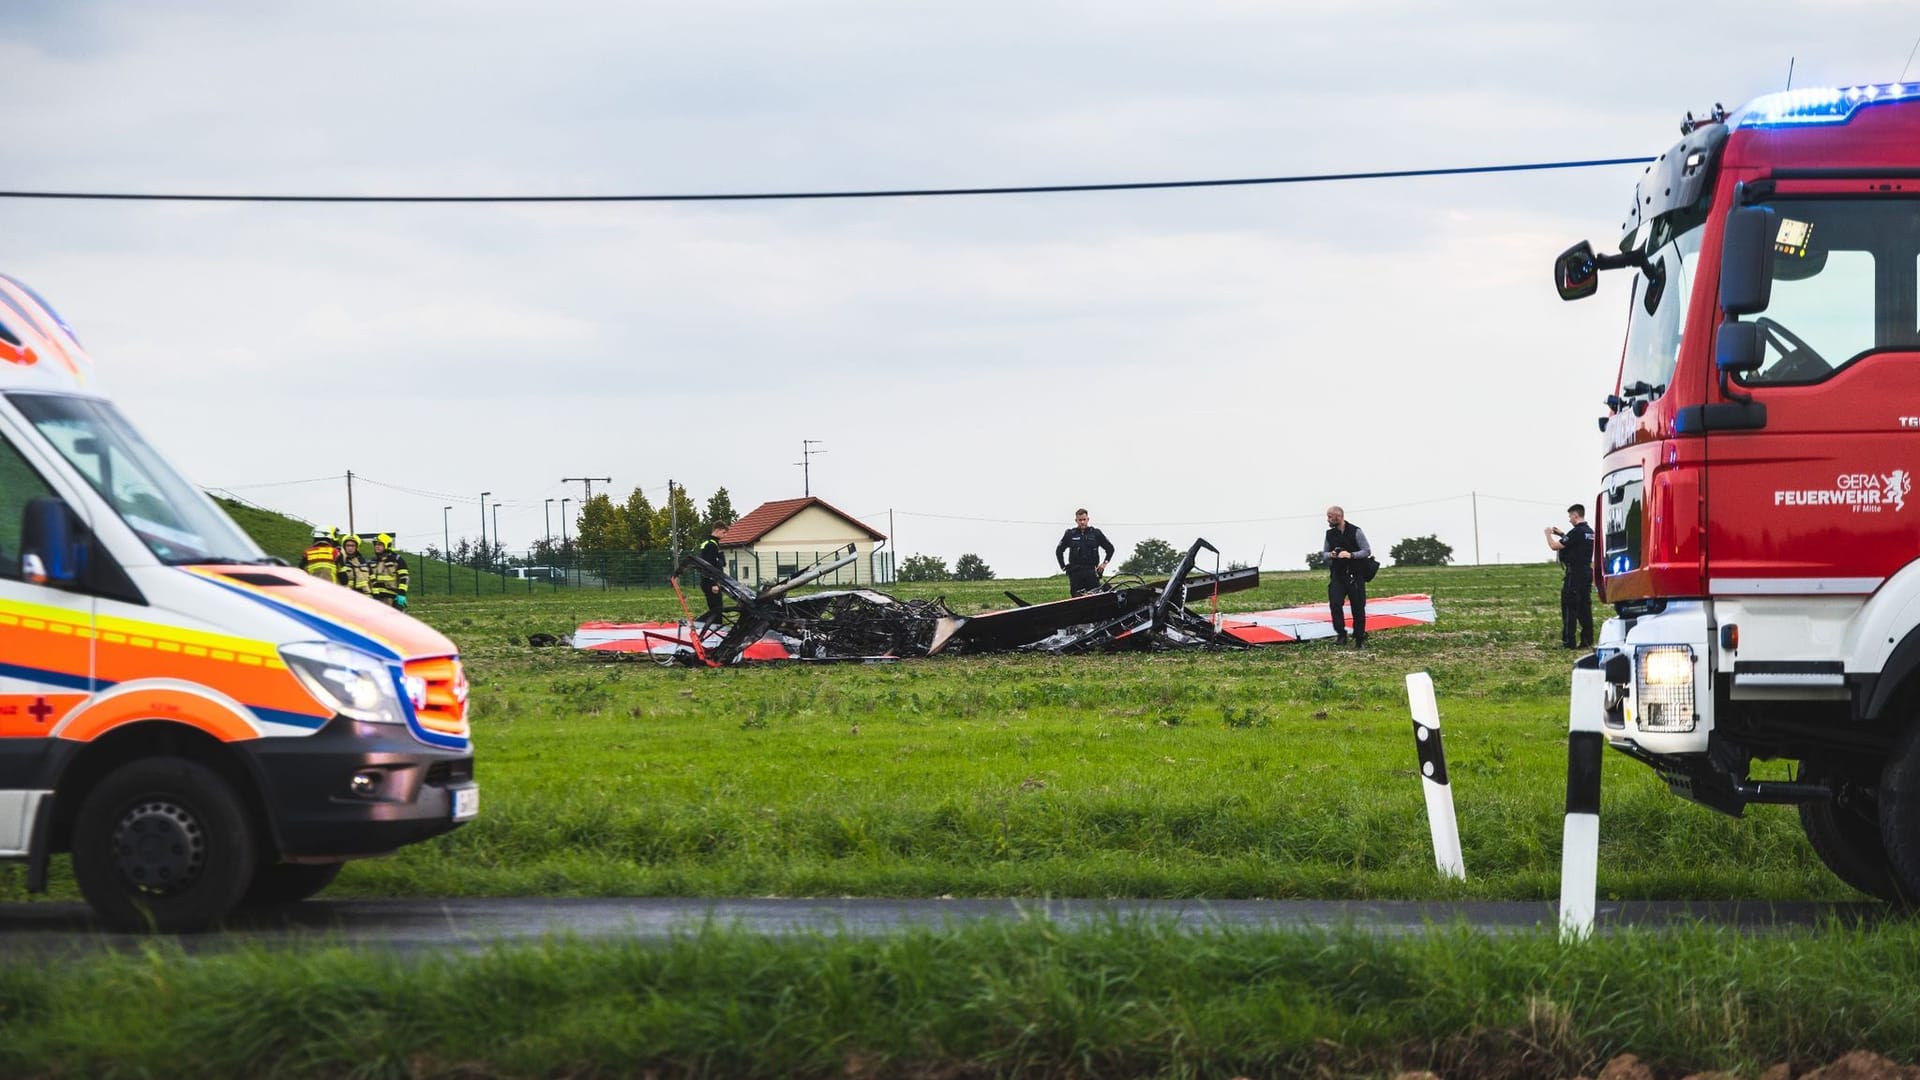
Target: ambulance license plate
466	802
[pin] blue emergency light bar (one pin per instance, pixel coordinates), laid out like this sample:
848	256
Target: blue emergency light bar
1800	108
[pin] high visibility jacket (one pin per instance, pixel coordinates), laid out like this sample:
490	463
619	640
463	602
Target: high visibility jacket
322	560
356	573
389	577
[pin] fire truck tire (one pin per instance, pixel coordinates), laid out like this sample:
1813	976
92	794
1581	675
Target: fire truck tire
288	883
1848	842
162	845
1900	813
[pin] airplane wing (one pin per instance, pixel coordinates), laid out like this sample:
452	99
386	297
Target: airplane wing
1308	622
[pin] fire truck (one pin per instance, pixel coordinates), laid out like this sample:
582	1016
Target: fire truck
1758	535
199	725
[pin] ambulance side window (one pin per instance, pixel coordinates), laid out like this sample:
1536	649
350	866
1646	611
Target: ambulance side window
19	484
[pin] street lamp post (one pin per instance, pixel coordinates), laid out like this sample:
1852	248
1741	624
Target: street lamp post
484	553
446	538
546	515
564	543
496	542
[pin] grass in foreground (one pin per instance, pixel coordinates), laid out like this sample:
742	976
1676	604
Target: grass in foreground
979	1000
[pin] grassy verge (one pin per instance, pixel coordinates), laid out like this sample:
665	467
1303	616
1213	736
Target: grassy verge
1281	772
1026	999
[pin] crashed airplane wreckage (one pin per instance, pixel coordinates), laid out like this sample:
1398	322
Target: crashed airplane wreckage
864	624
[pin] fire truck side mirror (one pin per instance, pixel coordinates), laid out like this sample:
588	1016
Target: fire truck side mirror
1576	273
1746	260
1738	347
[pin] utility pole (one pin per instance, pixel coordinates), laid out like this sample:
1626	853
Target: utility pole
496	542
547	515
673	523
484	553
446	537
806	469
1476	528
587	480
566	545
893	543
350	528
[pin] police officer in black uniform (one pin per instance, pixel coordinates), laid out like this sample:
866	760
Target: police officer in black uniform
1345	549
1575	548
710	551
1083	552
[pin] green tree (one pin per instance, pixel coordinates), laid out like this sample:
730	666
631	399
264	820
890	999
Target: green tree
1151	556
1316	560
602	531
676	522
924	568
637	517
720	511
1422	551
971	567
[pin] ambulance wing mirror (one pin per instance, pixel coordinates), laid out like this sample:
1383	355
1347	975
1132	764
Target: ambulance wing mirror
1746	260
49	544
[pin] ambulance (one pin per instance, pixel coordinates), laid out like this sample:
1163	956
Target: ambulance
198	725
1758	531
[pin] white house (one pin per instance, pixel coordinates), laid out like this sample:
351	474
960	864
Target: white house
783	537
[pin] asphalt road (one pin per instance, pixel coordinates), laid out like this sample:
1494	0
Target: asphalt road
43	929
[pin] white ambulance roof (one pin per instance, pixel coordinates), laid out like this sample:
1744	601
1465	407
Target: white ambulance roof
37	348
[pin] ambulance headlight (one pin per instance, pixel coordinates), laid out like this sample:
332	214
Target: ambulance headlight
1663	688
354	684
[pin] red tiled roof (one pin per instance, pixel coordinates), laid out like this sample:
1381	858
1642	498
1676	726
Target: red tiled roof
768	516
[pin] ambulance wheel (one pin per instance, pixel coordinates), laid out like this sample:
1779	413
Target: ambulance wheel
1847	840
162	845
289	883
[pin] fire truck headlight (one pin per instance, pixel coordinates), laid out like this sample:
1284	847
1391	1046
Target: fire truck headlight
1664	690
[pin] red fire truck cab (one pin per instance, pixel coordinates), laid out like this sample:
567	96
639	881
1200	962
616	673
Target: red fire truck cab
1758	534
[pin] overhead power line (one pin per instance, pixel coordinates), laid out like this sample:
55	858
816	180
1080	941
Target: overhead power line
885	193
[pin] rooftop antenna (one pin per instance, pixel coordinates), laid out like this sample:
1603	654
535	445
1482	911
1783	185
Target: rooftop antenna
1909	63
1789	72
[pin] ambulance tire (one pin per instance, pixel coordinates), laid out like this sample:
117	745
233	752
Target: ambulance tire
288	883
1848	843
162	845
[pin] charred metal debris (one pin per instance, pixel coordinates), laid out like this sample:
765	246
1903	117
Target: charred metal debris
865	624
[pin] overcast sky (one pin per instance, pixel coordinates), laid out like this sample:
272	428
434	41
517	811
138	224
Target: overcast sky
1215	362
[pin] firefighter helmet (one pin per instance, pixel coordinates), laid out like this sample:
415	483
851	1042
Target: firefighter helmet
384	538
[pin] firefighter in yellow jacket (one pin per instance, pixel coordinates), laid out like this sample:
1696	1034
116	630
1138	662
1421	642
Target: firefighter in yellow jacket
356	572
322	557
389	572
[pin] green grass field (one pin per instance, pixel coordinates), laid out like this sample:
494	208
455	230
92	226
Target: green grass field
1287	771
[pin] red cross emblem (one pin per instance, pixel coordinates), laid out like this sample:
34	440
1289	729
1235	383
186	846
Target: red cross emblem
40	710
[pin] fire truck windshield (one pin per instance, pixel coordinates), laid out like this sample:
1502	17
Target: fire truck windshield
1659	311
1846	284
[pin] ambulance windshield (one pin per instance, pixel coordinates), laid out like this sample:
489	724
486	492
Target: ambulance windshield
172	517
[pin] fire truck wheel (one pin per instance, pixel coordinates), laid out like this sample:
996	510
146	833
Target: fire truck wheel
289	883
1900	812
1848	842
162	845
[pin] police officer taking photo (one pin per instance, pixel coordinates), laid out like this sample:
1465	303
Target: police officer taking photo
1575	548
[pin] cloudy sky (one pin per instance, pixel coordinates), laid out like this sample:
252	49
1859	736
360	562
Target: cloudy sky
1215	362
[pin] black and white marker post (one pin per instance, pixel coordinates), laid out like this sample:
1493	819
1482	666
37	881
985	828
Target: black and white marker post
1580	844
1433	776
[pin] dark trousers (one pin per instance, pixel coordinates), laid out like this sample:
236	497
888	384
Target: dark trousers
1082	579
713	603
1347	589
1576	606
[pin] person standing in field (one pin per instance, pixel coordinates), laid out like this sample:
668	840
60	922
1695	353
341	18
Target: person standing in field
322	557
1083	552
390	577
1575	551
356	572
1346	551
709	584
